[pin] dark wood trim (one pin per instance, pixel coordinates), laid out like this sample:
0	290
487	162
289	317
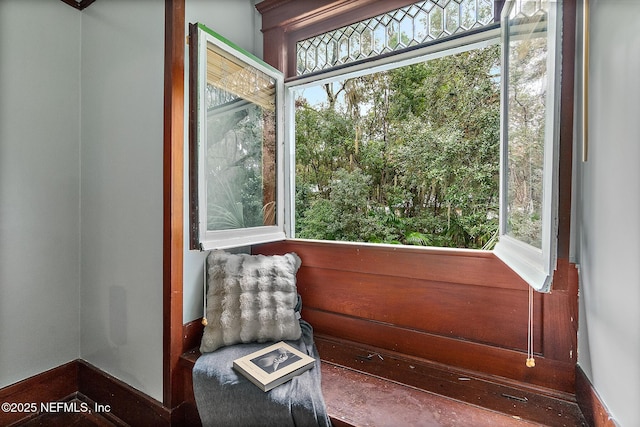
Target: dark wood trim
50	386
560	315
81	380
192	335
503	364
286	22
173	181
80	5
465	309
187	413
565	177
126	403
194	223
593	410
567	96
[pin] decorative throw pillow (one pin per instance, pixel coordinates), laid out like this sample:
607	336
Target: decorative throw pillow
250	298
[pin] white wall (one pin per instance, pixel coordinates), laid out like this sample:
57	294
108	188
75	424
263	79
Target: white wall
121	194
239	22
81	138
39	187
609	213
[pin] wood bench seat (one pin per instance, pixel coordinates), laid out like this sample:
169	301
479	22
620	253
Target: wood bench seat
365	387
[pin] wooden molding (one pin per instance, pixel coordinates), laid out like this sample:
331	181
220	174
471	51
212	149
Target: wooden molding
285	22
79	379
126	403
173	216
192	335
53	385
593	410
566	130
80	4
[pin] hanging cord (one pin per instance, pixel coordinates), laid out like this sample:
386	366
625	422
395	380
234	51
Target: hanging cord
530	360
204	293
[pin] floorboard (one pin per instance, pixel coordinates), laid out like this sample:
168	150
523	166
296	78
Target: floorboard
79	413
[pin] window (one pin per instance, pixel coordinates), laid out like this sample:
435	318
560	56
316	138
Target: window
405	147
405	155
530	133
244	191
236	145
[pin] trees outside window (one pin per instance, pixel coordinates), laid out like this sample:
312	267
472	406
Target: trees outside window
408	155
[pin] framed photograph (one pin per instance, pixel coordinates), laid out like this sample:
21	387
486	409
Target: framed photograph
273	365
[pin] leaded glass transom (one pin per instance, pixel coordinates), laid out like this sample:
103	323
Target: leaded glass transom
411	25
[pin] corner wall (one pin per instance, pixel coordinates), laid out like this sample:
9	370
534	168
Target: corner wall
121	164
608	212
39	187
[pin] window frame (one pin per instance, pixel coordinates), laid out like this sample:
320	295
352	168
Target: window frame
200	237
534	265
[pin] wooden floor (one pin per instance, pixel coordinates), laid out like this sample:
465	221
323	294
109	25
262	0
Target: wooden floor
77	416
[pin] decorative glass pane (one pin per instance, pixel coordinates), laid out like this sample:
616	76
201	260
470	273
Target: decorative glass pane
332	52
367	42
378	39
392	35
343	51
406	31
354	48
485	12
468	14
452	17
435	23
418	23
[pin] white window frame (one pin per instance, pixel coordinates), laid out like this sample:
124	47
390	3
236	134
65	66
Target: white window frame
534	265
202	238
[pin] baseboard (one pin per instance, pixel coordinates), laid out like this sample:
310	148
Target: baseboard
126	403
116	400
593	409
54	385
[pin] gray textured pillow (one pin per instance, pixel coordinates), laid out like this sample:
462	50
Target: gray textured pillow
250	298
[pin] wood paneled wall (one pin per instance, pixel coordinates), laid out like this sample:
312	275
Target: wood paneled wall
461	308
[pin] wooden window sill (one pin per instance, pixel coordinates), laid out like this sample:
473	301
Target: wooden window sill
356	393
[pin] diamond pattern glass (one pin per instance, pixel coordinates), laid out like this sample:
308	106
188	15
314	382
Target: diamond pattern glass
418	23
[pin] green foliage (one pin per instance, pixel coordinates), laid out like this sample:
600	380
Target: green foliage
234	164
406	156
